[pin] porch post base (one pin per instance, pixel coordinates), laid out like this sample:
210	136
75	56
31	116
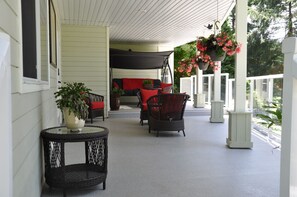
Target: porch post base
199	100
217	111
240	129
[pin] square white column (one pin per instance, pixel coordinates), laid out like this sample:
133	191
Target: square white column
199	100
217	112
239	135
288	178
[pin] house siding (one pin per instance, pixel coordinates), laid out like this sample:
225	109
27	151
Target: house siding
84	57
31	112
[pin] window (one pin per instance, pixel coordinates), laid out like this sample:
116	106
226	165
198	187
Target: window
29	39
35	33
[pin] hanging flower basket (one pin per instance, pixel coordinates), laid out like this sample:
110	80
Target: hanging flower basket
203	65
218	46
209	50
214	57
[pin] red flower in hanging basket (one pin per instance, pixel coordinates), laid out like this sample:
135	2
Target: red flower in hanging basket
220	43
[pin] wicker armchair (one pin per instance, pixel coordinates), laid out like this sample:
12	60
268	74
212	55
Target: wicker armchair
96	106
166	111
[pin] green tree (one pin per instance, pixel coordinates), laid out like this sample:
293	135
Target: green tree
264	54
182	52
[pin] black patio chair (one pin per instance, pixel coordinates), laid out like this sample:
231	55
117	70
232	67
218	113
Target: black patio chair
166	111
96	106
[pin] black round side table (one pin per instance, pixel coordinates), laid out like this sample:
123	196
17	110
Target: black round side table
90	173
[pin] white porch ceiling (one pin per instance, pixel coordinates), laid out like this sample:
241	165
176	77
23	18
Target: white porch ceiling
158	21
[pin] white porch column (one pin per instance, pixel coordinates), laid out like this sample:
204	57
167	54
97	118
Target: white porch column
217	105
251	95
288	174
270	89
6	176
239	134
199	97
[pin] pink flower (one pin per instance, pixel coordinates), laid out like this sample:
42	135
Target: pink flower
180	69
189	69
230	53
228	43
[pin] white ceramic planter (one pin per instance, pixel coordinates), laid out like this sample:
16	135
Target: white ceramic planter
72	122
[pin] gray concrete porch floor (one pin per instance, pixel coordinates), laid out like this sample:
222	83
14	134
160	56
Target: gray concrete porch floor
198	165
131	110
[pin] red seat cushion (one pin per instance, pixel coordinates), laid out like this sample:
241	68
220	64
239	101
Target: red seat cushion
98	105
146	94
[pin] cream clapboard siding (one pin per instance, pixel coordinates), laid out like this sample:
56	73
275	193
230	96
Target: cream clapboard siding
31	112
84	57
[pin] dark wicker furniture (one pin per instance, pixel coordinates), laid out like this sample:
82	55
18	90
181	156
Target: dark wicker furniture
143	95
90	173
143	112
166	111
96	106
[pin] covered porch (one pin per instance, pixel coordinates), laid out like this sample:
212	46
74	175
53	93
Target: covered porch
139	163
200	164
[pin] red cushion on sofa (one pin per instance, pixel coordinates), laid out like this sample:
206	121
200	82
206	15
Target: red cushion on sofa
132	84
146	94
166	87
98	105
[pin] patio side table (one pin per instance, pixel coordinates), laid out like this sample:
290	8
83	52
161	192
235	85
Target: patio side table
90	173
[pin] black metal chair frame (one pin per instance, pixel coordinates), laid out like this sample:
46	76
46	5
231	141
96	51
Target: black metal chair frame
93	113
162	119
143	113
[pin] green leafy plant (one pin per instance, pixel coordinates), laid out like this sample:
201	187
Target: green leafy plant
147	81
117	92
272	115
73	96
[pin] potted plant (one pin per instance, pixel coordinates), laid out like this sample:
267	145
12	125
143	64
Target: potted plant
148	84
71	100
115	98
217	46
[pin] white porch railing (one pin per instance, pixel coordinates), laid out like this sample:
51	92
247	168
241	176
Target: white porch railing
259	89
188	85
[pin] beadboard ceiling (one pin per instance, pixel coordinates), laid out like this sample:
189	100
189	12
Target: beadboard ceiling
162	21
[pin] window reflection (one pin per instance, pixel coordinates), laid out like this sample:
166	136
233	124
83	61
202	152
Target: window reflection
44	39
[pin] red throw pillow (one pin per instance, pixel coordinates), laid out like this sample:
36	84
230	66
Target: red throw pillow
146	94
116	85
166	87
98	105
